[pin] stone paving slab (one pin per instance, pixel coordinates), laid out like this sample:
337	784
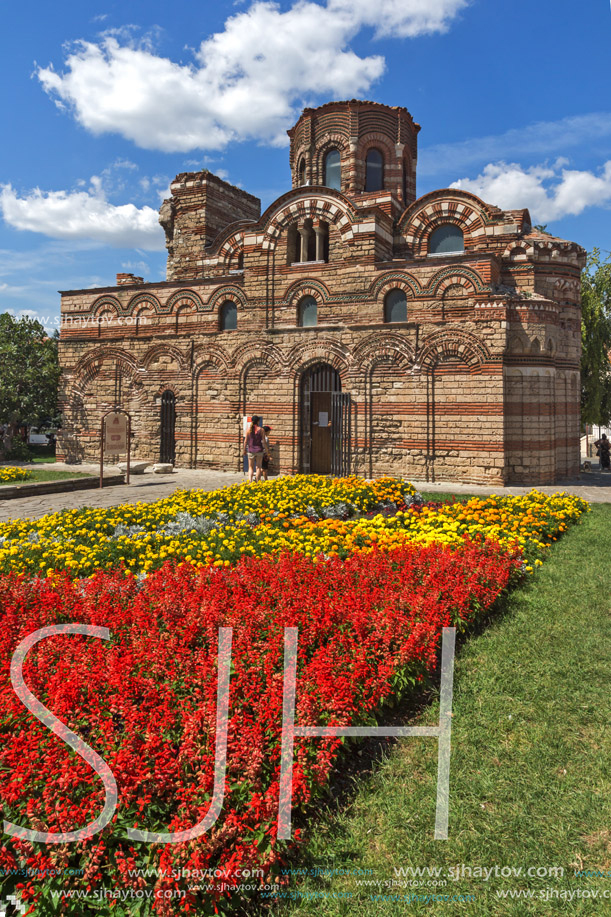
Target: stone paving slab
143	488
594	487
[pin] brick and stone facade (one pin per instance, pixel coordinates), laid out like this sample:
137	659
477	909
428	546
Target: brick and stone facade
478	380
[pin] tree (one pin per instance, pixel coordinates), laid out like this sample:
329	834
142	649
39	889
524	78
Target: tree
596	340
29	372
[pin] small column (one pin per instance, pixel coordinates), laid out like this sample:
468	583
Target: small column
305	238
320	243
351	176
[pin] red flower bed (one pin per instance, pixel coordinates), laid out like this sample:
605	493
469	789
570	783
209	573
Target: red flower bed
146	699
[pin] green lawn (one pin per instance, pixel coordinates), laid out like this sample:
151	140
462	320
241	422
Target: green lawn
44	474
42	454
530	780
43	460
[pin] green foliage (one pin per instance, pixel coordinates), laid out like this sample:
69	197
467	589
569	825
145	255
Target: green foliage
29	371
19	451
596	340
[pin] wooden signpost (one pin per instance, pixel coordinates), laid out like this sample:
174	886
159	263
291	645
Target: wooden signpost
115	437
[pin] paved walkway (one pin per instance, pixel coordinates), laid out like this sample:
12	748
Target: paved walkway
593	486
143	488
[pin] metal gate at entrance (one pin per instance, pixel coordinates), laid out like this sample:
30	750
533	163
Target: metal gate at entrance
325	422
167	451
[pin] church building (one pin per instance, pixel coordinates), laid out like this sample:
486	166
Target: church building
435	337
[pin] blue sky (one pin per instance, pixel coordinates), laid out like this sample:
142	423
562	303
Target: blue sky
104	103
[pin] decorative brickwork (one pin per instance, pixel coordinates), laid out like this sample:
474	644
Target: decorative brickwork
480	383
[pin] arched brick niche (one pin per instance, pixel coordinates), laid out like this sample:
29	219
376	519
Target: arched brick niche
449	208
454	346
183	299
214	414
231	252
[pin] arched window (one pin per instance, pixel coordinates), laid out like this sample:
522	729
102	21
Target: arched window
293	244
374	171
301	171
446	238
237	261
332	170
322	241
308	241
229	316
308	312
395	306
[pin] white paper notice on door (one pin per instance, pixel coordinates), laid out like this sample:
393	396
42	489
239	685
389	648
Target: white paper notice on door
323	419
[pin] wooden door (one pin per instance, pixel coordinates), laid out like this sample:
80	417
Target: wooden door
320	462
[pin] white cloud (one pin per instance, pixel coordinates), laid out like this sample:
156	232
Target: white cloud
549	191
542	138
82	215
246	82
401	18
158	186
140	266
7	288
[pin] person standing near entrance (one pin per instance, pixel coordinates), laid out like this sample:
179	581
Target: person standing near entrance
255	444
267	455
603	447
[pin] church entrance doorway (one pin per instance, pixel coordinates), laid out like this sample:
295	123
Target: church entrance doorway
325	422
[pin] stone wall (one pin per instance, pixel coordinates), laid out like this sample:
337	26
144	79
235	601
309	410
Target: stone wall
201	206
454	415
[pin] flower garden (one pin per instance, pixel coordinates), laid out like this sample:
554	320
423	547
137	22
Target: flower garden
9	474
367	572
311	515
